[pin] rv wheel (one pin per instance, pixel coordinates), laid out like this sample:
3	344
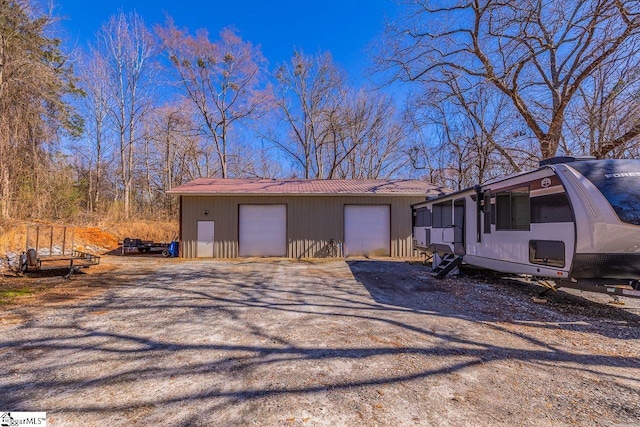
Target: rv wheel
165	253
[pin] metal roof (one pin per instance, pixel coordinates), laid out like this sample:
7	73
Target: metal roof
218	186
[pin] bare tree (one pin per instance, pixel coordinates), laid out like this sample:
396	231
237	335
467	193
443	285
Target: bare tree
538	54
258	162
223	80
97	103
311	89
126	47
332	131
172	151
373	137
606	107
475	132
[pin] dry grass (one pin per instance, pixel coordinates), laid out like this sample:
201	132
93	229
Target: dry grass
158	231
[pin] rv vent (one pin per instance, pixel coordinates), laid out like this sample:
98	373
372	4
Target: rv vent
564	159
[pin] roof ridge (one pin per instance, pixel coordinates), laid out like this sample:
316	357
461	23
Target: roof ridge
262	186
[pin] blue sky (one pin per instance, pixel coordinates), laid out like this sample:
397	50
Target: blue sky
345	28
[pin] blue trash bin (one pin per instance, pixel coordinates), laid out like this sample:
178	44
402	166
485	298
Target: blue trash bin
173	249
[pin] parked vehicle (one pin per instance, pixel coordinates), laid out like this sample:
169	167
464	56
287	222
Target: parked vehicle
139	244
573	220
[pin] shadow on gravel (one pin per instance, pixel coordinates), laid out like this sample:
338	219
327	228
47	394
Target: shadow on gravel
261	327
488	298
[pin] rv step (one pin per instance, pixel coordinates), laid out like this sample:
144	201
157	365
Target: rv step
446	266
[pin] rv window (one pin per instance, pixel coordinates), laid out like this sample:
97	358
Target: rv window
493	214
447	214
437	216
487	212
512	210
503	211
546	252
520	213
551	208
442	215
423	217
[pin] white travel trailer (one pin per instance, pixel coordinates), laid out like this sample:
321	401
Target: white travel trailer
573	220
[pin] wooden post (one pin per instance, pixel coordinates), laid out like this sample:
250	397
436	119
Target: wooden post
37	239
51	241
64	240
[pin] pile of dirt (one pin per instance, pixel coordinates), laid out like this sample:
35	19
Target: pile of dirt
95	240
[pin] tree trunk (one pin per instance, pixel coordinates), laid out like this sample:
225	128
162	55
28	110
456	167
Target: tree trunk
123	174
5	192
98	181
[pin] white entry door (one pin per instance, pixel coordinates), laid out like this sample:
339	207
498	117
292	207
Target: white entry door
263	230
204	249
367	230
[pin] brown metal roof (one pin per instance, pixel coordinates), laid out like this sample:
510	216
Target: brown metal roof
206	186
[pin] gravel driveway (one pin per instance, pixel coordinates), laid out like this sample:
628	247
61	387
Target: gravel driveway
283	342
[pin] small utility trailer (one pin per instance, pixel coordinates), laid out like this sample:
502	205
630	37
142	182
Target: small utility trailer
142	246
57	256
147	246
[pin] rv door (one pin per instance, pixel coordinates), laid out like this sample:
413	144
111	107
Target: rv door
458	227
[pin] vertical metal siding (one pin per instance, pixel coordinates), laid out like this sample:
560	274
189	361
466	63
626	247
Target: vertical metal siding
311	222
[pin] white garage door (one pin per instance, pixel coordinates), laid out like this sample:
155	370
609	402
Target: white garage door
263	230
367	230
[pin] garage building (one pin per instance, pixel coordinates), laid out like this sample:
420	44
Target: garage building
297	218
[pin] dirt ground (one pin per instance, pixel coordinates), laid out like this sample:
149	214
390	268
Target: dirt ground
144	341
